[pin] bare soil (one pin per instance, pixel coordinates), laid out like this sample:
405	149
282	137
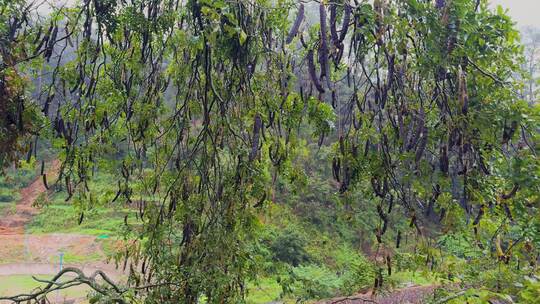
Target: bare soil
407	295
27	254
14	223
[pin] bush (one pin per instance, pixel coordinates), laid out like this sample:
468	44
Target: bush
354	270
288	247
313	281
7	196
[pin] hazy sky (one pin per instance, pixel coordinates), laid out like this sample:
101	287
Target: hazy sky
524	12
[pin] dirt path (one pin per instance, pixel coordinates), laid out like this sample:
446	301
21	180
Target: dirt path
31	254
14	224
407	295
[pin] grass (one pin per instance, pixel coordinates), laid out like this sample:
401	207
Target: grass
16	284
71	258
264	291
61	216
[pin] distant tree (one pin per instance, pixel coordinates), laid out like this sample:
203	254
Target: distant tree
531	41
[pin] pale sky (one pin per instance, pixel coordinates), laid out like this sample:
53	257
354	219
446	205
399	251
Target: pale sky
524	12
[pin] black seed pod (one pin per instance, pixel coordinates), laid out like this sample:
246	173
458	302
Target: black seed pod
443	159
44	176
479	216
323	51
296	24
313	73
257	125
336	164
389	264
333	30
346	21
509	131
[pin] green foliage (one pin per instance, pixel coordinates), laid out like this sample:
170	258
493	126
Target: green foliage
198	114
530	292
315	282
288	247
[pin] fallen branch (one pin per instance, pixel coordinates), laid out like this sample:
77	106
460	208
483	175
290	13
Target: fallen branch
109	289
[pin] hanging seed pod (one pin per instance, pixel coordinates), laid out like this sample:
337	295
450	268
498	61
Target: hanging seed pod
377	187
378	8
385	226
29	154
390	204
257	125
172	207
341	145
389	265
509	131
346	21
47	104
336	165
511	194
380	211
375	284
312	72
45	39
463	96
443	159
296	24
44	177
346	180
81	218
384	218
38	35
482	164
442	215
378	235
479	215
412	223
333	30
323	46
50	45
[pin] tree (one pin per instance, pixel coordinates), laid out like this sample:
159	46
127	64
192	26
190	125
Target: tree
194	107
532	59
433	119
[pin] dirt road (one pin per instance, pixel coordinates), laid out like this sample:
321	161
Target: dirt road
14	223
407	295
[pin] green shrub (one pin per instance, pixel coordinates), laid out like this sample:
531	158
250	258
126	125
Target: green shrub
288	247
315	282
354	270
7	196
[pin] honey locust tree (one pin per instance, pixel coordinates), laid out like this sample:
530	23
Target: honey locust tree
429	116
188	104
193	107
